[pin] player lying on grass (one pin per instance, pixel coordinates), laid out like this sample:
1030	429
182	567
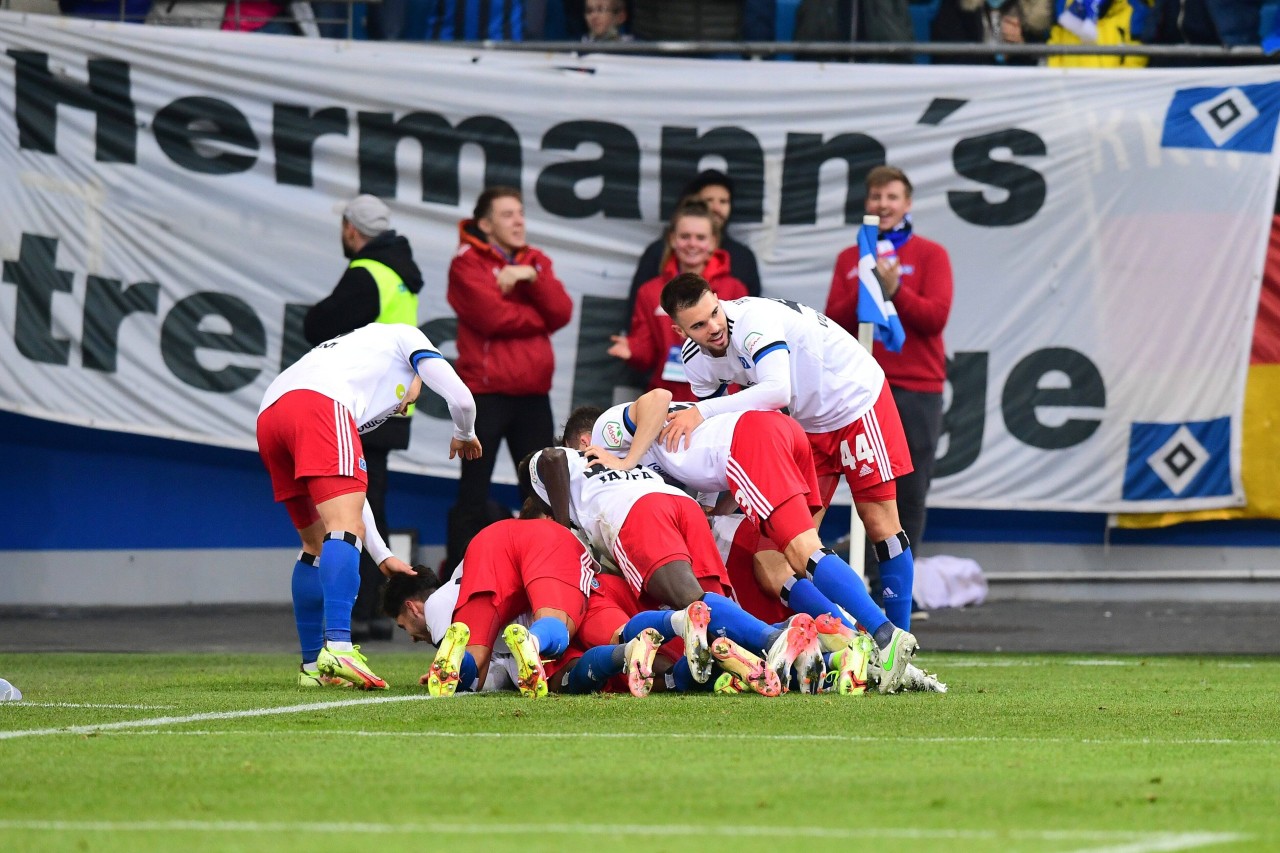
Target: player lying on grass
308	429
763	460
786	355
658	537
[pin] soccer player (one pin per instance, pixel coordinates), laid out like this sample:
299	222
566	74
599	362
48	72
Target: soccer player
786	355
659	538
309	428
763	460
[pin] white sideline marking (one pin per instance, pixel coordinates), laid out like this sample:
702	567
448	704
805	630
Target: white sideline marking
967	663
1135	841
216	715
25	704
719	736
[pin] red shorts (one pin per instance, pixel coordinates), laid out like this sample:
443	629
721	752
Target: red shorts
515	566
312	451
661	528
770	462
870	452
740	563
611	603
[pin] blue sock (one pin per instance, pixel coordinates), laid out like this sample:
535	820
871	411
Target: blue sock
730	620
897	574
340	580
468	672
837	580
308	606
553	636
659	620
680	678
804	597
596	666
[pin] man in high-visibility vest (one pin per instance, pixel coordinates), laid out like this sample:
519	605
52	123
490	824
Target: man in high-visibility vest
380	284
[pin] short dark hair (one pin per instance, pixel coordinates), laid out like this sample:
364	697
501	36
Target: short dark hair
708	178
881	175
581	420
402	588
484	204
683	291
534	507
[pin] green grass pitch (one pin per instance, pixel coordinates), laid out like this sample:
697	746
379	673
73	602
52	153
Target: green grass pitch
1053	753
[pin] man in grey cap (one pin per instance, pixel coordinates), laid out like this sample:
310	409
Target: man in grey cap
381	284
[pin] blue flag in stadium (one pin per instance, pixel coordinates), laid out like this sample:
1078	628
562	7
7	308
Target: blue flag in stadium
872	306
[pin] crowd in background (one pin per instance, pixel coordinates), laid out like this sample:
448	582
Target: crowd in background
1231	23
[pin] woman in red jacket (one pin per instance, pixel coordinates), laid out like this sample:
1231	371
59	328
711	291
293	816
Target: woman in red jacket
652	345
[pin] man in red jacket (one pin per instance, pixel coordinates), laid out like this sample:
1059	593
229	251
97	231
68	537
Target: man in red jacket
916	276
509	302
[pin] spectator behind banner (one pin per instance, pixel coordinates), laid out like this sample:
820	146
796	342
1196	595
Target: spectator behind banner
715	190
605	20
652	345
509	302
1101	22
916	275
131	11
991	22
380	285
478	20
268	17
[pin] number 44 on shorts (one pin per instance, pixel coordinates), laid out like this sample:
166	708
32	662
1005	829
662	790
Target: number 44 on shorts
862	453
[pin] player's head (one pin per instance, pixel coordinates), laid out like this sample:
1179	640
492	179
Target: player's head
888	195
524	473
696	313
578	429
534	508
404	598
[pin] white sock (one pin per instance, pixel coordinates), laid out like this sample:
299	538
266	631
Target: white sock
679	621
311	668
335	646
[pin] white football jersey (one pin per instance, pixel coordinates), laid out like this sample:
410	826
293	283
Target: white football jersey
367	370
701	466
834	381
600	498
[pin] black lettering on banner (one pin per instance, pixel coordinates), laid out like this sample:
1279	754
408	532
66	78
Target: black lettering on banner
181	338
617	168
38	94
805	155
381	133
683	150
294	344
188	121
295	130
38	278
107	302
1026	187
1023	395
965	419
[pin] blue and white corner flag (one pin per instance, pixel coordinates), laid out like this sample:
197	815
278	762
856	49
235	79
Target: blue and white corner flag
872	306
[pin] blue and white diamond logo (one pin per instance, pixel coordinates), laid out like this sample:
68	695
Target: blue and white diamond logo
1179	460
1225	115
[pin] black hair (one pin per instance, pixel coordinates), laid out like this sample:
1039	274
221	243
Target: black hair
402	588
581	420
708	178
683	291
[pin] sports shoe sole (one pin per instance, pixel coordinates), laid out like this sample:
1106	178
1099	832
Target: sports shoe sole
747	667
639	662
531	678
795	640
442	678
833	634
349	667
901	649
696	650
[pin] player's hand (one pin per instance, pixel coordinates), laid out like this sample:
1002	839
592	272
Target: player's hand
466	449
621	347
600	456
680	426
889	271
393	565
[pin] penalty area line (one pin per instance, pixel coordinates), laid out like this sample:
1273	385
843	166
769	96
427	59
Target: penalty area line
153	722
1127	841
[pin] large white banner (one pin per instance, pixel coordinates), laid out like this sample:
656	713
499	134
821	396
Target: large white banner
169	212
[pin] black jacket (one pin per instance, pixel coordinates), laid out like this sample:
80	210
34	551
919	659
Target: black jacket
742	266
355	301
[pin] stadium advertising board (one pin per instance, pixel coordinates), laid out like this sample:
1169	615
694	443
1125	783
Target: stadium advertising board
171	199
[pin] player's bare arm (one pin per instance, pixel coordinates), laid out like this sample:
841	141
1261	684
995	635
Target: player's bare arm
553	470
648	413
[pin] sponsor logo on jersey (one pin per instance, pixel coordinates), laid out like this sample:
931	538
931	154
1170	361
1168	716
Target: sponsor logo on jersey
613	435
752	341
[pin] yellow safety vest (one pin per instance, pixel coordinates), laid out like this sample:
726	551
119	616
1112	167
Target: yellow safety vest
396	302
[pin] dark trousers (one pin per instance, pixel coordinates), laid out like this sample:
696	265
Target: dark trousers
526	424
921	415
